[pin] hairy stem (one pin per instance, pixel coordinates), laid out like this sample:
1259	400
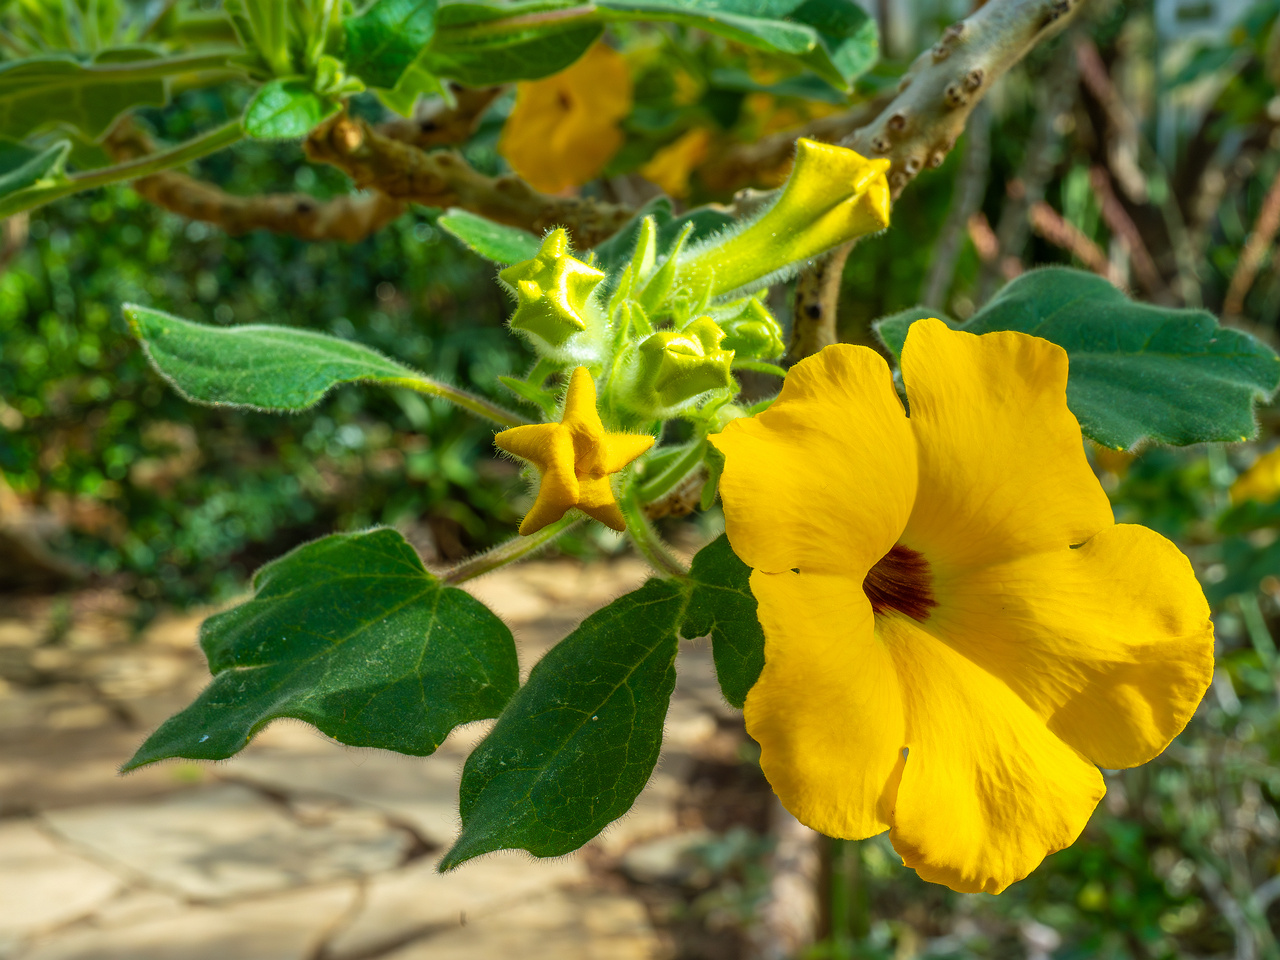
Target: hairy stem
646	538
468	401
509	552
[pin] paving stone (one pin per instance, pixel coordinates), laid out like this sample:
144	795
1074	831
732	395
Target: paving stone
558	926
285	927
402	905
226	841
42	885
421	792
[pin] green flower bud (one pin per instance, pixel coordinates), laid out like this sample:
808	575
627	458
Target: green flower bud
672	370
554	309
832	196
751	332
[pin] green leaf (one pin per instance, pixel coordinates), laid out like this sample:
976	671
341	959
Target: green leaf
614	253
286	110
387	37
849	41
892	330
577	744
723	606
261	367
352	634
481	44
1245	566
579	740
1138	372
746	21
21	166
50	90
493	241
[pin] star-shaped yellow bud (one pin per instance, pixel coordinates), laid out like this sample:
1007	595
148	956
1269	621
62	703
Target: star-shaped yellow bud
553	291
575	458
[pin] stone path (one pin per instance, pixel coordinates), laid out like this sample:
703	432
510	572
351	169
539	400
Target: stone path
302	849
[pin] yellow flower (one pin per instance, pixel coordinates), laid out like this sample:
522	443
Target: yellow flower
671	166
575	458
564	128
956	630
833	195
1260	482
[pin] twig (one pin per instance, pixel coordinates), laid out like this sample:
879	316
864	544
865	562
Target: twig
348	218
1051	225
816	302
1121	224
444	179
920	126
1255	249
1125	135
971	184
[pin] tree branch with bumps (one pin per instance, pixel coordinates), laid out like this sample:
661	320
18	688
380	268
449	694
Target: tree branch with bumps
921	125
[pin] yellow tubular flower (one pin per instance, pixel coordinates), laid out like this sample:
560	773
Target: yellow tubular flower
575	458
564	129
671	166
956	630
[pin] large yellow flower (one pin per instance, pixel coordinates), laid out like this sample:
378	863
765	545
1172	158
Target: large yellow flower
564	129
957	633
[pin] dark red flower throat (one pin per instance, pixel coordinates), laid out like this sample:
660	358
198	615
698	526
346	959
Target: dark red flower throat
901	581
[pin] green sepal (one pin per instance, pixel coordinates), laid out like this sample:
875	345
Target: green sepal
554	308
672	371
543	400
659	286
751	332
352	634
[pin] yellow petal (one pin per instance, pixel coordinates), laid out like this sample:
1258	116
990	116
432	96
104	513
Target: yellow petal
824	479
1110	644
987	791
671	166
580	414
617	450
1002	465
559	489
826	710
1260	482
596	500
534	442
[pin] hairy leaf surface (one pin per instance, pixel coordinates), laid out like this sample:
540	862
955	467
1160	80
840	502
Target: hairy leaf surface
264	367
286	110
721	605
352	634
49	90
493	241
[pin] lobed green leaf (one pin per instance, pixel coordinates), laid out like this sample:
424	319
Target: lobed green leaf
352	634
1138	372
21	166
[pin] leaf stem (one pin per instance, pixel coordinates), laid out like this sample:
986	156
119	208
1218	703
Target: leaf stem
646	538
468	401
509	552
38	194
666	481
158	68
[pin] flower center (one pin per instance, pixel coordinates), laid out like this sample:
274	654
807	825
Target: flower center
901	581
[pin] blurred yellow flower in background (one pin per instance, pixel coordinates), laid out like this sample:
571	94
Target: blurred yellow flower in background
957	633
671	166
1261	481
564	128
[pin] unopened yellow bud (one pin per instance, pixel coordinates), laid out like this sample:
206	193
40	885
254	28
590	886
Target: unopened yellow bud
832	196
553	293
